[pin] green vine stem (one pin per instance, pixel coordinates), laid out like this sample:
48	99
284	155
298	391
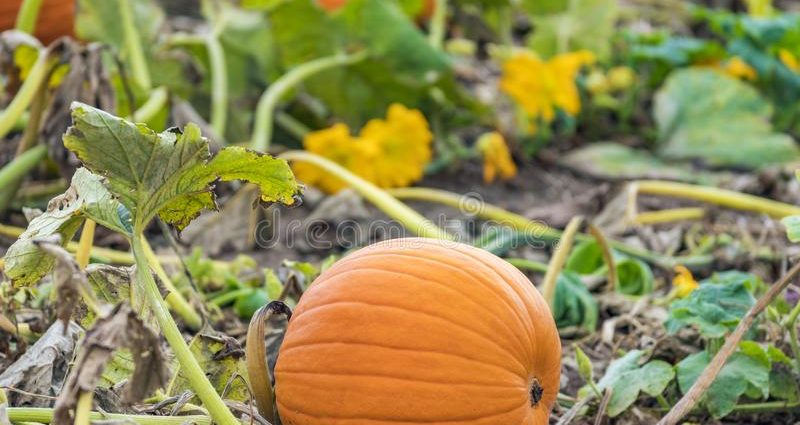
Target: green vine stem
176	301
219	83
45	415
27	15
713	195
150	108
138	62
438	22
21	165
83	409
395	209
262	129
535	229
558	259
192	370
669	215
525	264
26	93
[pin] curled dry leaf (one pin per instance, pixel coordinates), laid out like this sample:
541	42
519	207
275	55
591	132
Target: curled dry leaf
70	281
121	328
42	369
86	81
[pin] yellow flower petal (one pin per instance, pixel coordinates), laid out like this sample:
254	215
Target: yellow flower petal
683	283
789	59
497	159
736	67
540	87
391	152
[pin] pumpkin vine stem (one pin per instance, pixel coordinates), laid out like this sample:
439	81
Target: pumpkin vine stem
189	365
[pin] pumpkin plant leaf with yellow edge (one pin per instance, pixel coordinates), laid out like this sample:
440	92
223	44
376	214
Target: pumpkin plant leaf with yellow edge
86	196
169	173
222	361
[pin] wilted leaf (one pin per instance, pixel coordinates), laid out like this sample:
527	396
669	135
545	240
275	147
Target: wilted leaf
25	263
627	379
634	277
69	279
222	360
43	368
573	304
702	113
716	306
743	369
121	328
168	173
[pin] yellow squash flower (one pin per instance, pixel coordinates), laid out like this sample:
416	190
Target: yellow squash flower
334	143
542	86
789	59
391	152
737	68
402	147
496	157
683	283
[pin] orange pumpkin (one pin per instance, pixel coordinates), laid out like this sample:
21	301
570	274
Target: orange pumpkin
56	18
419	331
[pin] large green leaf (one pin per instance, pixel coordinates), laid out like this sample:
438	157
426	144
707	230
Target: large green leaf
702	113
627	379
609	160
748	368
716	306
561	26
401	63
168	173
86	196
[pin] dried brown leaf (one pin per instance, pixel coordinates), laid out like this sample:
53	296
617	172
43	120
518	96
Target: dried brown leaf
121	328
67	276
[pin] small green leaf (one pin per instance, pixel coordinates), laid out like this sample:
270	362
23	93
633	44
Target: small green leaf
627	379
715	307
729	125
168	173
792	224
221	359
741	372
585	258
272	284
584	365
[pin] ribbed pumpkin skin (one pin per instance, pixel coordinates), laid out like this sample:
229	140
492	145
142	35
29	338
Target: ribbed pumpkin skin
419	331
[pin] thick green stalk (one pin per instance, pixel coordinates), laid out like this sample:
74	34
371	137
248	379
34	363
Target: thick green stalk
26	93
558	259
138	62
45	415
713	195
189	366
533	228
27	16
262	130
525	264
219	84
21	165
150	108
395	209
177	302
438	22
